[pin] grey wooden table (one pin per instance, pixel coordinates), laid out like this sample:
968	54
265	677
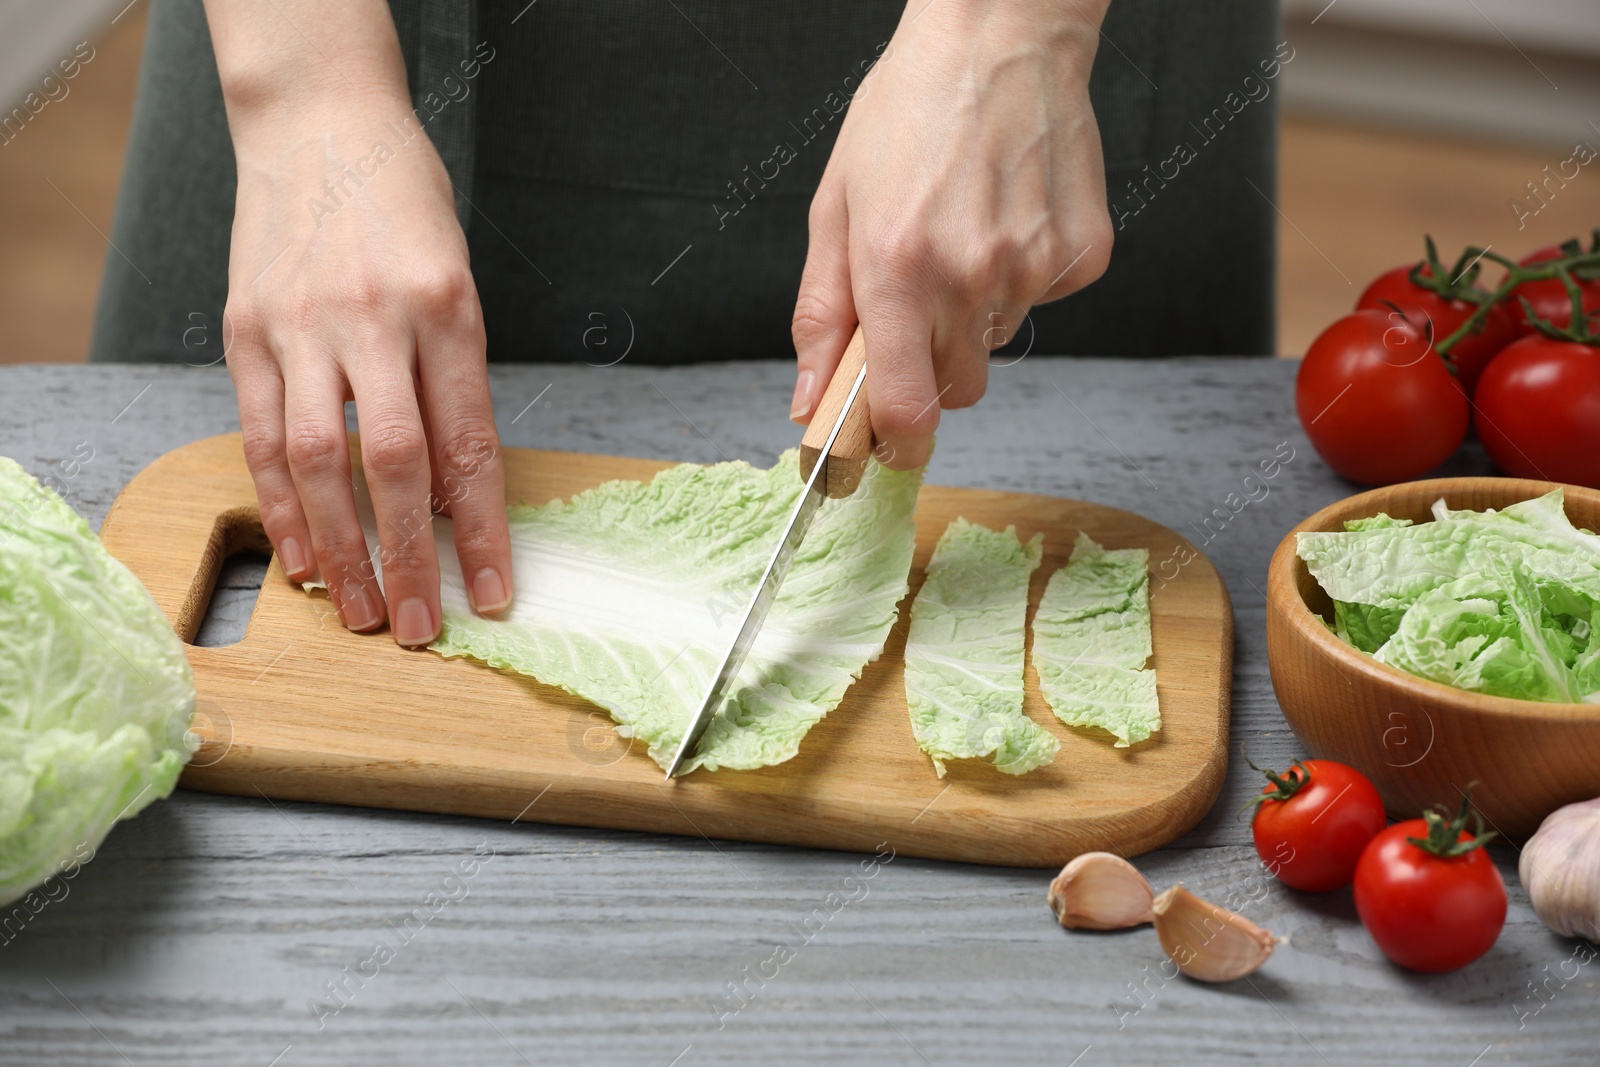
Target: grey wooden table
209	928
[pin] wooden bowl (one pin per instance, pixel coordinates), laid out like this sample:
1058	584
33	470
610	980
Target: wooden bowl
1421	742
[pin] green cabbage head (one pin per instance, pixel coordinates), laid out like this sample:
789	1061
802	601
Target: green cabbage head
95	690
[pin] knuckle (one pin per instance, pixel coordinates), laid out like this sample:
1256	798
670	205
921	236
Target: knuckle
311	445
278	508
447	295
813	321
995	258
407	544
362	293
998	327
903	254
470	449
965	392
1041	260
475	542
390	449
1091	237
244	326
263	446
299	310
901	417
818	215
344	549
824	210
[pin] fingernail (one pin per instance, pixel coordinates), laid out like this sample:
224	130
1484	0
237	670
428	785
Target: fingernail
355	604
802	394
412	623
489	591
292	556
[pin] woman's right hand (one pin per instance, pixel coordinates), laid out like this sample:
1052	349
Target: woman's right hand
348	279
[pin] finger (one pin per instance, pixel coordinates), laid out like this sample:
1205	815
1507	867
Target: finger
438	494
394	456
319	460
961	343
259	387
901	391
825	311
467	465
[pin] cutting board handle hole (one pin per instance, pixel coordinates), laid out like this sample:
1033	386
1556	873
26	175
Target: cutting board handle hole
229	579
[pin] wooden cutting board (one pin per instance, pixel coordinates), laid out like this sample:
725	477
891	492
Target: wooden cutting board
302	709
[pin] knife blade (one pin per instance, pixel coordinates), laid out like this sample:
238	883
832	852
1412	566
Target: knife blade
831	473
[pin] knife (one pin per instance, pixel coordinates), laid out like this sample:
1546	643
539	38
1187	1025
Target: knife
833	455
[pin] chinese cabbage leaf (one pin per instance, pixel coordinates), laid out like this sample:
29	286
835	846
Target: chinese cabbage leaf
964	652
628	594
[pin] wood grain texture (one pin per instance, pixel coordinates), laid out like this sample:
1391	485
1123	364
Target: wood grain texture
1421	742
302	709
853	447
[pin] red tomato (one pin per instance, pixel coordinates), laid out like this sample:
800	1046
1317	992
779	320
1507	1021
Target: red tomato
1547	295
1377	402
1317	818
1538	410
1421	305
1429	912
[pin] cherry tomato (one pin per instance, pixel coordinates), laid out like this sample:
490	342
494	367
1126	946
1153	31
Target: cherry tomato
1538	410
1313	823
1547	295
1422	305
1434	906
1378	403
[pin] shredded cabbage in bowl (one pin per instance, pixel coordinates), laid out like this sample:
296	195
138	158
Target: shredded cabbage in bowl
1505	602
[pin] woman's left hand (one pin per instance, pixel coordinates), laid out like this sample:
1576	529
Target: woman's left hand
966	186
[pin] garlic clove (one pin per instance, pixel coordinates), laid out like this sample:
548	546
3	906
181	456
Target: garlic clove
1099	891
1560	869
1206	941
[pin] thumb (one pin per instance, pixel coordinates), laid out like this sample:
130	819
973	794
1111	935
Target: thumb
825	311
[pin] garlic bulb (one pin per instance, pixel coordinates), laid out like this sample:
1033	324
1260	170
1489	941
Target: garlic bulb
1560	869
1099	891
1208	942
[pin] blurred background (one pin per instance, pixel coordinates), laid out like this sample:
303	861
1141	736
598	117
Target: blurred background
1401	117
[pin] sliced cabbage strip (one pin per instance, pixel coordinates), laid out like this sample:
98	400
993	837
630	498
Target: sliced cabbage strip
1091	640
964	653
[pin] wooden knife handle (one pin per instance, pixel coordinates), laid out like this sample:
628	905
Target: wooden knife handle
853	447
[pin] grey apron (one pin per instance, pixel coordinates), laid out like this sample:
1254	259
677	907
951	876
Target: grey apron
634	175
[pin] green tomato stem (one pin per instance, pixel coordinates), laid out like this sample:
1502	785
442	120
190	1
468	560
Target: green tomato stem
1444	832
1516	274
1287	784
